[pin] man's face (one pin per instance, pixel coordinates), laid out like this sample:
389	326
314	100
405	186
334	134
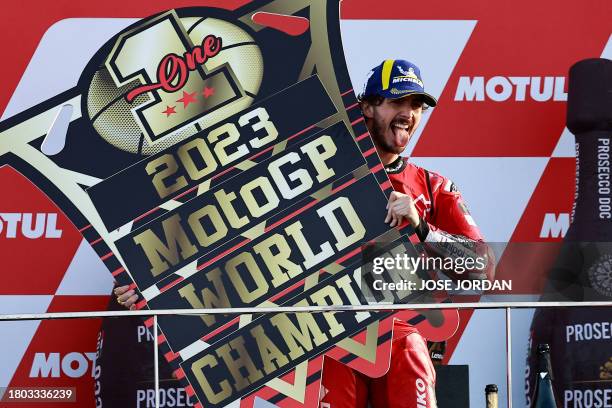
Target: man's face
393	122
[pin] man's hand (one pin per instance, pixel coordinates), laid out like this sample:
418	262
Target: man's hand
400	207
126	298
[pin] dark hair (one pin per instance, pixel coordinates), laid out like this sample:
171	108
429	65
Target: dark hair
376	100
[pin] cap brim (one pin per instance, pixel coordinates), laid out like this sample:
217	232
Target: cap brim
429	100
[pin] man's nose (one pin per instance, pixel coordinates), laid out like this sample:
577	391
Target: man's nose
407	113
407	109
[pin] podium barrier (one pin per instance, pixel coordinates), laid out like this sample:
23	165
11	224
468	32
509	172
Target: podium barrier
507	306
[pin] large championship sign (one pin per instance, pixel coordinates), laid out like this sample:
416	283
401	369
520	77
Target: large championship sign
218	159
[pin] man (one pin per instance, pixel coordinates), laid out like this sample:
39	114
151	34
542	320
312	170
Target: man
392	103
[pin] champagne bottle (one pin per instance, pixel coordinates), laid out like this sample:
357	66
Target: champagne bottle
583	270
491	395
544	396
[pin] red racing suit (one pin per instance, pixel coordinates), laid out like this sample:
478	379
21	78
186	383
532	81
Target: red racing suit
410	381
447	227
438	202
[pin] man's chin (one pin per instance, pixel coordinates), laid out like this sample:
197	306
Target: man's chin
394	149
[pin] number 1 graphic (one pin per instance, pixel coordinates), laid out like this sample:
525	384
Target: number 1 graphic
177	89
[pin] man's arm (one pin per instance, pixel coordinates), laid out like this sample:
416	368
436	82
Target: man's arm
449	231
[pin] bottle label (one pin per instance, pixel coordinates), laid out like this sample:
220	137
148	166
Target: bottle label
603	178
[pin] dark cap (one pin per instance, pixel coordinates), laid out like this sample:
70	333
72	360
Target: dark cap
395	79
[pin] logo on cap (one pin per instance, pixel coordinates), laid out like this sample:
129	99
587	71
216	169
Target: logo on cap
408	76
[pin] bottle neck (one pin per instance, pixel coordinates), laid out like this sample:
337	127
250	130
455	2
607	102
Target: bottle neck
592	212
491	400
544	364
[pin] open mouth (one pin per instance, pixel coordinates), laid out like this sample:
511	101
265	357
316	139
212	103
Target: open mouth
401	133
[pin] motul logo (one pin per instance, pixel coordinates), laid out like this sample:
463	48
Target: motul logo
555	225
30	225
73	365
500	89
